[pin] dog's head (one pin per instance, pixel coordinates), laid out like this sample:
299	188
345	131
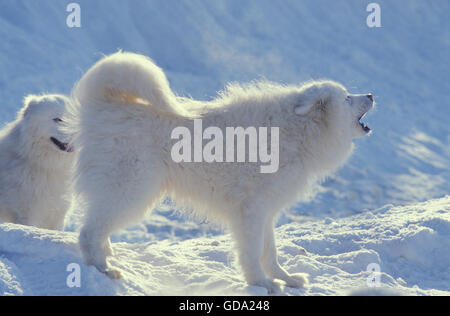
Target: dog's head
340	111
41	118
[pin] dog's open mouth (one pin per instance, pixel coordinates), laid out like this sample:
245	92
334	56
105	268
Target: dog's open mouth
61	146
364	126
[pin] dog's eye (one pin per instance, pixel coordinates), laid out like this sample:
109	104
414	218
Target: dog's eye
57	120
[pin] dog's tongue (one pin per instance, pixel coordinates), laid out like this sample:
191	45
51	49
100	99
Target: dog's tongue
69	148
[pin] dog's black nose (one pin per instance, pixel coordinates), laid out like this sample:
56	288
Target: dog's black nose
370	96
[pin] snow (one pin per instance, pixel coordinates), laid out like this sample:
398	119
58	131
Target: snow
409	243
357	216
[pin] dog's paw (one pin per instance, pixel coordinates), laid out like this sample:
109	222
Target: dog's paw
113	274
297	280
271	286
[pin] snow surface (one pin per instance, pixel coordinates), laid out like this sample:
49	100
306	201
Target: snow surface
202	45
410	244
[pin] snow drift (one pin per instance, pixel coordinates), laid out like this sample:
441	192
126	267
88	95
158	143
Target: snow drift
410	244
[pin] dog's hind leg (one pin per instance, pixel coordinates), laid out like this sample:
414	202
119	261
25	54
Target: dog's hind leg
269	260
110	209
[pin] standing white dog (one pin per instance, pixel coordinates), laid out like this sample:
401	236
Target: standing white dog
124	113
35	165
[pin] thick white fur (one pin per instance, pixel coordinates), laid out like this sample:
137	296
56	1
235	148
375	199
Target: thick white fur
123	113
33	171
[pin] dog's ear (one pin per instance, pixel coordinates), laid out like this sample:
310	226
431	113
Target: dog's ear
303	108
309	98
314	94
28	102
306	106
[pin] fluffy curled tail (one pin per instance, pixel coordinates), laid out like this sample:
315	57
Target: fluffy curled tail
123	78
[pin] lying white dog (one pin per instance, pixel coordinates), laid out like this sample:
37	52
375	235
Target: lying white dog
125	114
35	165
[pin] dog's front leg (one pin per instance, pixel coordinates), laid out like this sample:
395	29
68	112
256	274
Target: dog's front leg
248	232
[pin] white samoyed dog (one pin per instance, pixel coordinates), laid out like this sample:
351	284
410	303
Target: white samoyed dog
35	165
124	114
